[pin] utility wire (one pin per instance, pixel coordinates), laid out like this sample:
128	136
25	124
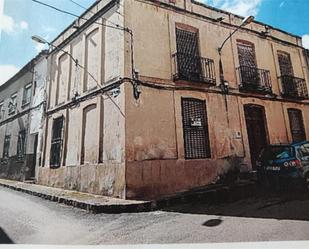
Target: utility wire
118	27
80	17
81	6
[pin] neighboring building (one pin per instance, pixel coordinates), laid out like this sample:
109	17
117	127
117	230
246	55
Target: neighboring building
18	144
183	131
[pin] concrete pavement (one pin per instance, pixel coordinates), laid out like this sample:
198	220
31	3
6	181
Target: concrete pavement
29	219
212	193
90	202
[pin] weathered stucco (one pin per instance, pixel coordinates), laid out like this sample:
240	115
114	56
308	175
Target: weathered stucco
155	163
92	152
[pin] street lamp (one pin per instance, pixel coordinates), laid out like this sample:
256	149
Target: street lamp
136	88
41	40
223	83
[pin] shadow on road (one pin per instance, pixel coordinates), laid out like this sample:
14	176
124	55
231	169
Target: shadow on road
4	238
284	205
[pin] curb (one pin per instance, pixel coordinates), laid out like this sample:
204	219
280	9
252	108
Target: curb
218	194
92	208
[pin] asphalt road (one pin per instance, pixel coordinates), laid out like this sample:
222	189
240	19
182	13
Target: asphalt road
31	220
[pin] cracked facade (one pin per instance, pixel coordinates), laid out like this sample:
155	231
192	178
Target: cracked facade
183	131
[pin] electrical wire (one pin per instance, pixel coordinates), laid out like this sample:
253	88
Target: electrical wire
76	61
118	27
81	6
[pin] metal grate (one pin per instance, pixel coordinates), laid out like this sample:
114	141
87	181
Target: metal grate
254	79
56	142
188	62
285	64
195	128
246	54
6	146
293	87
297	125
21	144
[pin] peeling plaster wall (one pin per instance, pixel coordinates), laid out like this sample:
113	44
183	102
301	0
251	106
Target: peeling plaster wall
155	163
92	156
14	168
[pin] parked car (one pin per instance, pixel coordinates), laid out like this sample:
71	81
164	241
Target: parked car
282	164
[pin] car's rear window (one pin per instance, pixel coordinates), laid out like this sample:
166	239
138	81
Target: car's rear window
277	152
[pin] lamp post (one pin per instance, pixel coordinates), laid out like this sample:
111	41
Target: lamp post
223	82
41	40
136	88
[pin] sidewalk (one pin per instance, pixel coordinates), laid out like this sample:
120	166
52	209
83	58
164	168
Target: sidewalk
213	193
90	202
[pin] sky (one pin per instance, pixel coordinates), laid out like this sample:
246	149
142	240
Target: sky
20	19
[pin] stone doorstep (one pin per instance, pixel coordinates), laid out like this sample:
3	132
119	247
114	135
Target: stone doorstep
103	204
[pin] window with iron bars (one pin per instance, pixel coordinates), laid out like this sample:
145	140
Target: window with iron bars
6	147
27	94
56	142
1	110
21	142
297	125
13	104
195	128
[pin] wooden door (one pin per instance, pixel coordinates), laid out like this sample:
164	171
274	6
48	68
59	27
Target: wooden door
256	129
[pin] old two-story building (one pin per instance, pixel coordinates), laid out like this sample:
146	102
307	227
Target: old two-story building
184	129
19	113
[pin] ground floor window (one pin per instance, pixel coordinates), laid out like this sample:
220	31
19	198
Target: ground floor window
21	144
195	128
297	125
6	146
56	142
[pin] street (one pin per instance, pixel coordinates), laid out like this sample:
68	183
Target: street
27	219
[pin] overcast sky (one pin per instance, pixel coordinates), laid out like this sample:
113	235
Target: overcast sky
20	19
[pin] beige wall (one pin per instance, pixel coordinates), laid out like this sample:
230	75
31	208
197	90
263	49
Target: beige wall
155	163
92	156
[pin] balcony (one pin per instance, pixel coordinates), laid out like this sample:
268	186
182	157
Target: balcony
253	79
293	87
193	68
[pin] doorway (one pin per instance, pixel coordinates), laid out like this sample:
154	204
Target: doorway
256	129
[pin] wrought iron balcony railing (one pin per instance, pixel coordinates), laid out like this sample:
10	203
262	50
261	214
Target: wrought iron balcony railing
293	87
193	68
254	79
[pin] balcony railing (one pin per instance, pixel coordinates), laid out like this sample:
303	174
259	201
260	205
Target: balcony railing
253	79
193	68
293	87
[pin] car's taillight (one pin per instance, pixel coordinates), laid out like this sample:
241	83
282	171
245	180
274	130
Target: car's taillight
294	163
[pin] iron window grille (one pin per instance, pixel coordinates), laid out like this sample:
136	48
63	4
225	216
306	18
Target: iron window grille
1	111
6	147
297	125
13	104
293	87
187	63
27	94
254	79
251	77
195	128
21	142
193	68
56	142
